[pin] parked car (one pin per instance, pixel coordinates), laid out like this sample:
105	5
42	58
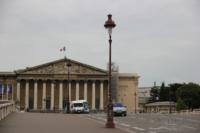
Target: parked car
119	109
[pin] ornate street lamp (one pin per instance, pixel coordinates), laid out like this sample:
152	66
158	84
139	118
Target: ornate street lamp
68	80
110	24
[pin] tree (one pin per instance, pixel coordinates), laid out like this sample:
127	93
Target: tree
190	94
172	90
180	105
164	92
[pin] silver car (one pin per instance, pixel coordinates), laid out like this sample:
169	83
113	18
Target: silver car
119	109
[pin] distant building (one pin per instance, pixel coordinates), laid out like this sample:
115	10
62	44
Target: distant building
161	107
144	96
53	85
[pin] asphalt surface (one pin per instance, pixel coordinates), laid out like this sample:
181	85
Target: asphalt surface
53	123
95	123
155	123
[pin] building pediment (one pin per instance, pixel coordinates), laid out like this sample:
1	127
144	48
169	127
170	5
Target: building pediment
61	67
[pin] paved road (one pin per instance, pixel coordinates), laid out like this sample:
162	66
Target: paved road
52	123
155	123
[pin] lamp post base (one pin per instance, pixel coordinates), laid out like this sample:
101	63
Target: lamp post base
110	124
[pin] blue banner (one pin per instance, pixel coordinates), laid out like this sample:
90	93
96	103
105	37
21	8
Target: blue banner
4	89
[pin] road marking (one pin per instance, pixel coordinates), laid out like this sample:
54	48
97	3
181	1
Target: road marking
124	124
92	119
137	128
129	131
190	127
152	132
171	124
158	128
101	122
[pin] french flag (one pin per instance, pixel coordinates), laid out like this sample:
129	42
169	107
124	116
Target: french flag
62	49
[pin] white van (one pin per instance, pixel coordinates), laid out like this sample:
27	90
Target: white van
79	106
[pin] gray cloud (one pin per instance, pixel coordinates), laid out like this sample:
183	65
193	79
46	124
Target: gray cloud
157	39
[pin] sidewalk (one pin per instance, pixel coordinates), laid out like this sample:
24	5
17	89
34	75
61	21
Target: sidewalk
52	123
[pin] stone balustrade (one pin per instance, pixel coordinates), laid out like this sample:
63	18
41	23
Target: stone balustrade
6	108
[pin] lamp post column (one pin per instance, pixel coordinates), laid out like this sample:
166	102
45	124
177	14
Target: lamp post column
109	24
135	102
110	123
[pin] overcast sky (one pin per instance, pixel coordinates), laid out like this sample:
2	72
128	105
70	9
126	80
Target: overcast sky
157	39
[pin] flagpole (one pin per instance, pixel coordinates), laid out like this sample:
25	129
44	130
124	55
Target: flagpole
64	52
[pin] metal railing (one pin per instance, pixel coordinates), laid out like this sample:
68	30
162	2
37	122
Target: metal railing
6	108
194	111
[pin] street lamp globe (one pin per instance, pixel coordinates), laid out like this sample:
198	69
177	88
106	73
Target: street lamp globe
109	24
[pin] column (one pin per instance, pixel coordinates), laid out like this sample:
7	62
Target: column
27	95
77	90
85	90
93	95
35	95
70	95
18	91
61	95
7	91
2	92
44	95
101	96
12	90
52	95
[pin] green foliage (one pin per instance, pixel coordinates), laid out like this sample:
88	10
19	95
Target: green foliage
164	92
180	105
172	90
190	94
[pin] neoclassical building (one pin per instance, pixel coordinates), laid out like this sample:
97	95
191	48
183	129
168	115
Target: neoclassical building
53	85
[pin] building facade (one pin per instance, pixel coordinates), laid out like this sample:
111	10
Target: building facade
53	85
160	107
144	97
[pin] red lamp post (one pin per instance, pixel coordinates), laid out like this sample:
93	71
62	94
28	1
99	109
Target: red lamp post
110	24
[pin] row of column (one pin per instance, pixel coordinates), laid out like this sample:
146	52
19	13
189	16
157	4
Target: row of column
60	94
